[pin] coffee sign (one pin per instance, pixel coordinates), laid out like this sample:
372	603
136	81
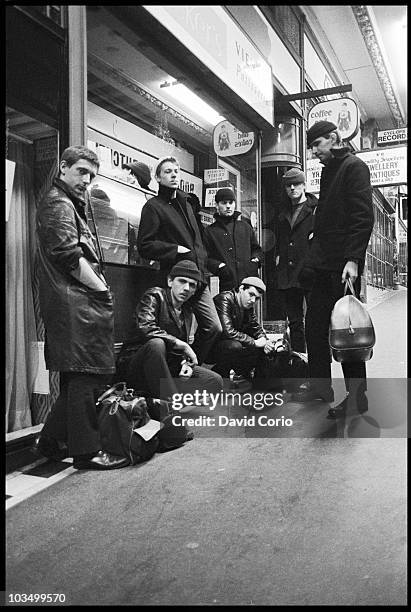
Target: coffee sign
343	112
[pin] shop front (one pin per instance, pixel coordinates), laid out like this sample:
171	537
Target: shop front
179	81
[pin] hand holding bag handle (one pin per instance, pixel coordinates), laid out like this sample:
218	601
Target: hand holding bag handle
348	283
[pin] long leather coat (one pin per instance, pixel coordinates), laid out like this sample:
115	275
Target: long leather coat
167	223
236	249
292	243
238	323
344	218
79	322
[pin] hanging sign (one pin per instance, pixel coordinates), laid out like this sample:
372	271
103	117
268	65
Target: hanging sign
313	175
210	196
392	136
228	140
343	112
215	175
387	166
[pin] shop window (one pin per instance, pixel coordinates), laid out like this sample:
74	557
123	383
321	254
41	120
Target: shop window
56	13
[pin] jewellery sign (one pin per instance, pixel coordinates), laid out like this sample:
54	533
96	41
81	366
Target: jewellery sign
387	166
228	140
343	112
313	175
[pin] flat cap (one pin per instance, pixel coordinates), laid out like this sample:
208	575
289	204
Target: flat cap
319	129
141	172
293	177
255	282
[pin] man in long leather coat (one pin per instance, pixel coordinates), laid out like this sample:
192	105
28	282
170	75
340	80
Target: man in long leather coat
77	310
169	232
243	342
342	228
160	346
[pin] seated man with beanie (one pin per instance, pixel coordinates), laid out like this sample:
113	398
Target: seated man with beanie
231	243
160	346
243	343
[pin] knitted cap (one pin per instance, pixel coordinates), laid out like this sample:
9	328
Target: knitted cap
141	172
293	177
187	269
319	129
224	194
255	282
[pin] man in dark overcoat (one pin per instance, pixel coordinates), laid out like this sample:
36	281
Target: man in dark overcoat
293	232
77	309
231	243
343	224
168	232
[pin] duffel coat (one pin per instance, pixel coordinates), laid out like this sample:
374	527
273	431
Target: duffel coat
238	323
292	243
166	223
236	249
344	218
79	322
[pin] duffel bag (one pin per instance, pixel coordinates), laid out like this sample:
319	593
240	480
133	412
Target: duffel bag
171	435
120	411
351	332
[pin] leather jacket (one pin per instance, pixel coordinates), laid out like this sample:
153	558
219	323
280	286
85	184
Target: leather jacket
79	322
237	323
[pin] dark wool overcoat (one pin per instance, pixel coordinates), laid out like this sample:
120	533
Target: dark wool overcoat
79	322
166	223
344	218
292	243
236	249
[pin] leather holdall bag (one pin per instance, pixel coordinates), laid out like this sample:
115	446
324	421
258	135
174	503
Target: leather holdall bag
351	332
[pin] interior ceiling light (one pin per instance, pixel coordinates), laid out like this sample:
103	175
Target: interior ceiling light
187	98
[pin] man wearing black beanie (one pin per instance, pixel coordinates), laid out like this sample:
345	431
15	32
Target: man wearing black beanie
342	228
231	243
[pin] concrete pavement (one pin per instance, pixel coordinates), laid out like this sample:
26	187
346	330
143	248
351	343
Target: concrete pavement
313	514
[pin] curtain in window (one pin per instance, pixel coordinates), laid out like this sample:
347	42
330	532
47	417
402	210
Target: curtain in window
21	337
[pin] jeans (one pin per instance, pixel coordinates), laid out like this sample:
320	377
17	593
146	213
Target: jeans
209	326
154	369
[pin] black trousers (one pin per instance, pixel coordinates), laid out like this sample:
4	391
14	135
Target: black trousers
209	326
154	369
294	308
73	418
327	289
231	354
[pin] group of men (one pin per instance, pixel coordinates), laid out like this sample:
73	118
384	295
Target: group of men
319	245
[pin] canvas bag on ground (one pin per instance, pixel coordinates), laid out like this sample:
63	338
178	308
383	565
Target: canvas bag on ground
351	332
120	411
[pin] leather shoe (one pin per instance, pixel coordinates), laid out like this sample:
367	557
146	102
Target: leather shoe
50	448
340	410
100	461
306	393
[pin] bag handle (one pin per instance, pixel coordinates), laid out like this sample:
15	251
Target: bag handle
115	387
348	283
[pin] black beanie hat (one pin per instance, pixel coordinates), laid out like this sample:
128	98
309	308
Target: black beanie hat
185	268
224	194
319	129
